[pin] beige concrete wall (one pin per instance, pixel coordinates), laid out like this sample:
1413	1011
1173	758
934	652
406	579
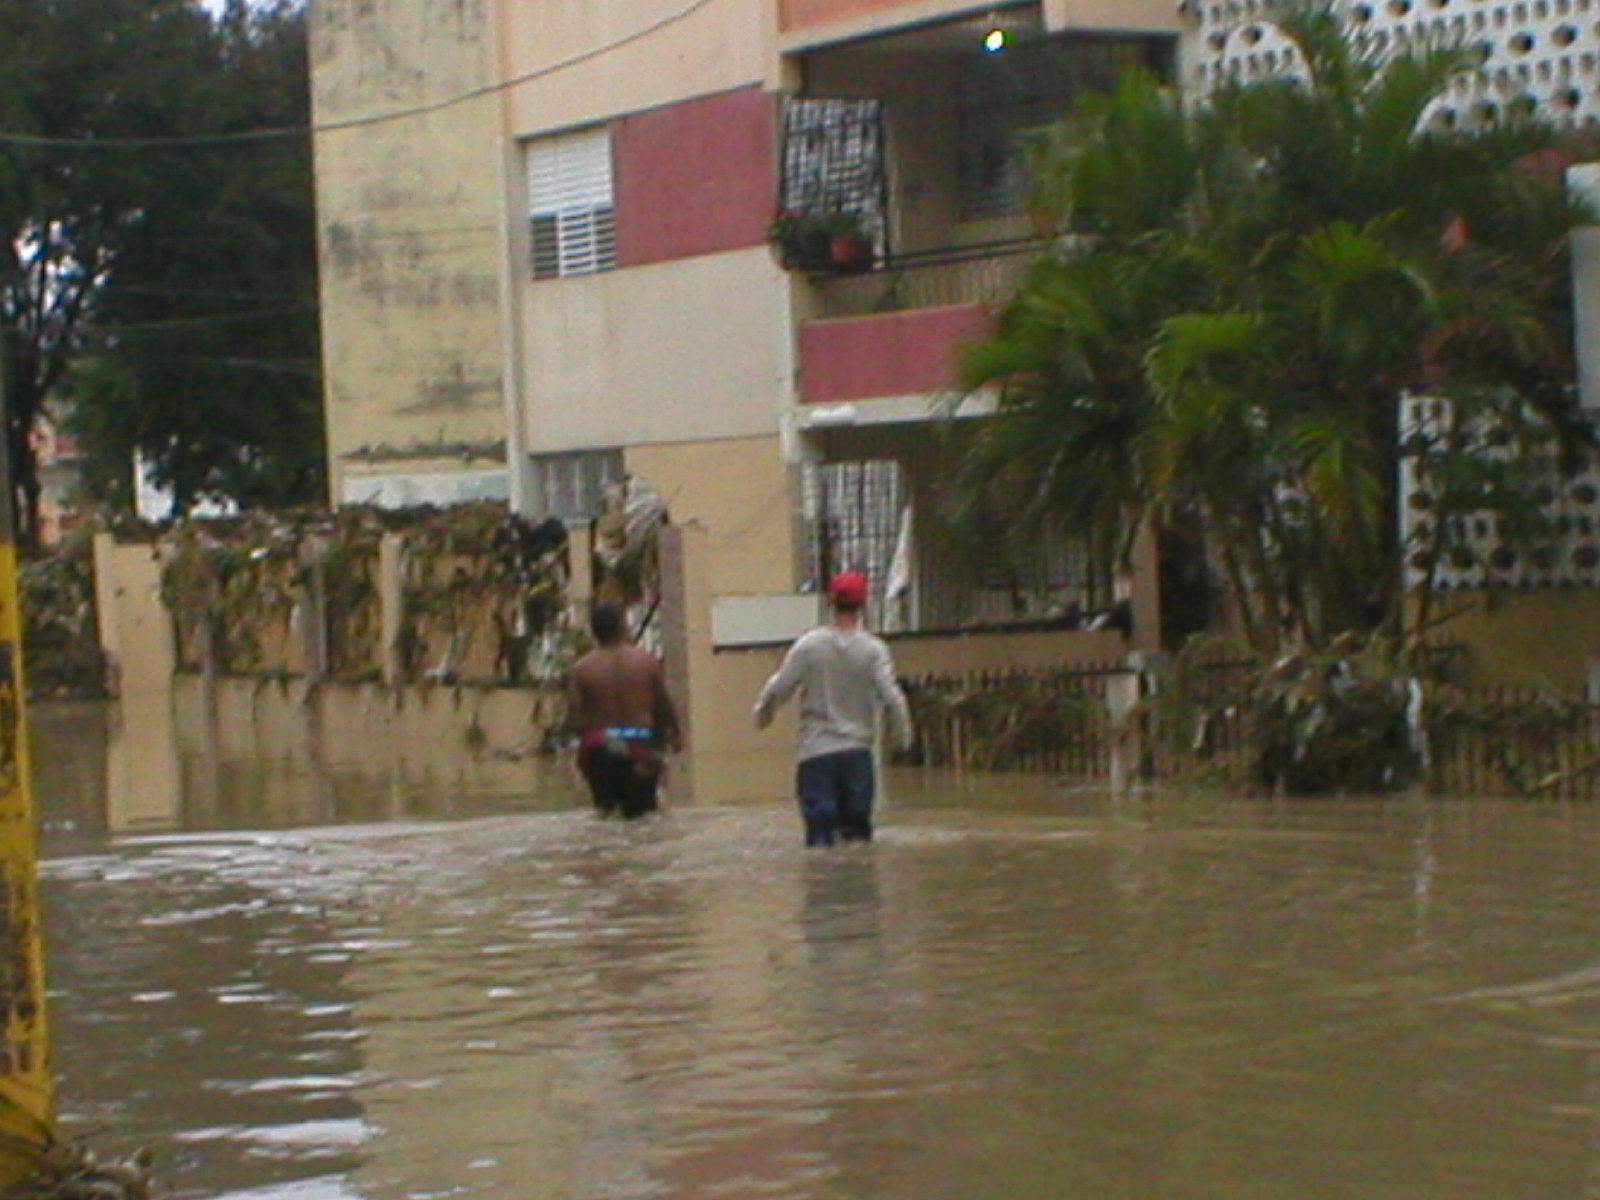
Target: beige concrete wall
658	53
738	490
676	352
727	761
1005	651
292	755
1114	16
366	724
410	230
1542	639
141	769
135	630
143	779
734	762
803	21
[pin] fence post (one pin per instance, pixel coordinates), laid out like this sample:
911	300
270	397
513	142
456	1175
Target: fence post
391	607
313	604
1122	698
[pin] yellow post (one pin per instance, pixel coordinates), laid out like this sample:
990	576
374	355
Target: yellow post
27	1107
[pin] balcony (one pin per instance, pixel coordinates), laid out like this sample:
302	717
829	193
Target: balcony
986	274
916	141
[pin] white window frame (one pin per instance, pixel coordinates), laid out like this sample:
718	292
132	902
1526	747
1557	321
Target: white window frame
572	216
572	484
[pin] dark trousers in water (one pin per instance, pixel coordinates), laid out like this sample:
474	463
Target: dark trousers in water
835	793
622	779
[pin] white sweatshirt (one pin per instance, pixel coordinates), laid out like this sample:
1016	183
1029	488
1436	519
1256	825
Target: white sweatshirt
844	677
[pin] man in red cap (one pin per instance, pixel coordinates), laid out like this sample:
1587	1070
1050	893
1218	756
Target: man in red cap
845	677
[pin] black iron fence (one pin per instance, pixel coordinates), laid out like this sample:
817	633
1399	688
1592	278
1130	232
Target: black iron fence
1514	741
979	274
1055	721
1206	725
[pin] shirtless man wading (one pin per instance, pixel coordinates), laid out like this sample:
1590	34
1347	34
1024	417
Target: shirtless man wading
624	718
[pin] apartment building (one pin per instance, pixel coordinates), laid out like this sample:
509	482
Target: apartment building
547	254
549	263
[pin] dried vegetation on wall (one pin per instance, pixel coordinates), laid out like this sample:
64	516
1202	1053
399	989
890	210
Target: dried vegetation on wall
481	595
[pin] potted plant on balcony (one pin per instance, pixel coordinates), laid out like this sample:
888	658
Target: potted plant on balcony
825	241
801	240
850	246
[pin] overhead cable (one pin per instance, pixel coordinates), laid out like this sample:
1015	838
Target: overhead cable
285	132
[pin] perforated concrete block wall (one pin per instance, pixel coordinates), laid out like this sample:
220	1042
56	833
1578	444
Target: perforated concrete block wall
1565	552
1538	53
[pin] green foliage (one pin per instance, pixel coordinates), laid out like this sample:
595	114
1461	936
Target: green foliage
1337	721
1347	718
185	270
60	636
66	213
807	240
1010	722
1239	298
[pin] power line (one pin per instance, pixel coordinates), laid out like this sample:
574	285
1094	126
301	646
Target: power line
130	289
306	368
214	319
284	132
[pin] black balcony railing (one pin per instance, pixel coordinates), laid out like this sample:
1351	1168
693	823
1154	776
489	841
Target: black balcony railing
986	273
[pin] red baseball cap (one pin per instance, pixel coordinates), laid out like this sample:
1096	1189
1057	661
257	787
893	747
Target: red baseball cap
848	587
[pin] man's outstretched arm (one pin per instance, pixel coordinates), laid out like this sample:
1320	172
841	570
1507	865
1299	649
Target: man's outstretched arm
781	686
893	699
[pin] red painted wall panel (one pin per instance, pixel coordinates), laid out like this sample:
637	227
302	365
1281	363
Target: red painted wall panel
800	14
695	178
892	354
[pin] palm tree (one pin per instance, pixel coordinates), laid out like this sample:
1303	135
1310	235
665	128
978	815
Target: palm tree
1242	295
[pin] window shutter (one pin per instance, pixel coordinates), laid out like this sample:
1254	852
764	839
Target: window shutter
571	204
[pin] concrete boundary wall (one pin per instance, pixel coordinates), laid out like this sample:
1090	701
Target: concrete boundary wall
285	719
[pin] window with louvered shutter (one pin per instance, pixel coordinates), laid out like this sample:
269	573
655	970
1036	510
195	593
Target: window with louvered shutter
570	204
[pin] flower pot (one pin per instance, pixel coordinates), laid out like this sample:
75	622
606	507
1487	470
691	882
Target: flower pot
805	250
850	252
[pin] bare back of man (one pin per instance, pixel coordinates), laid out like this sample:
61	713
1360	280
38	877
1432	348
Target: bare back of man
620	687
624	718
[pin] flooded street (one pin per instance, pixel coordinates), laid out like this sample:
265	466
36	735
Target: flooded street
470	989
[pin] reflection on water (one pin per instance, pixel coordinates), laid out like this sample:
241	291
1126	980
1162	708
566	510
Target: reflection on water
1015	993
160	766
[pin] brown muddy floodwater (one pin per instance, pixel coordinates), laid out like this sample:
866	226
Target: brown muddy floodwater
1018	993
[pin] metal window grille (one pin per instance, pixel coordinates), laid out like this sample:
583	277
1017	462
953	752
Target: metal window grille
572	485
571	206
1002	579
1000	97
852	511
834	160
856	518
